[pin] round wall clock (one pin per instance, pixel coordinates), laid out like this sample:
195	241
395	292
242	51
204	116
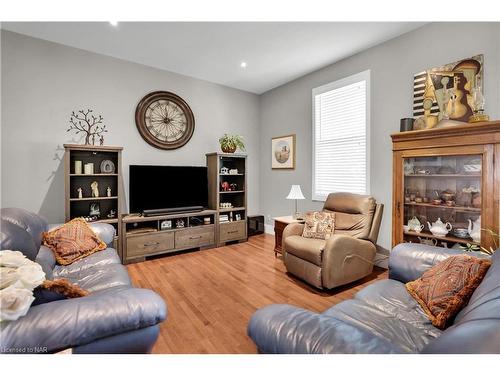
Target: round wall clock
164	120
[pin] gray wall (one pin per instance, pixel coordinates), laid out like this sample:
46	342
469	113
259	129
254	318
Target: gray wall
43	82
287	109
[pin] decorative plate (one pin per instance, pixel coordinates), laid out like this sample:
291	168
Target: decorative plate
107	166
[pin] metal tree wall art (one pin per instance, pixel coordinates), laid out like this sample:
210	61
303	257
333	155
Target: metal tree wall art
86	122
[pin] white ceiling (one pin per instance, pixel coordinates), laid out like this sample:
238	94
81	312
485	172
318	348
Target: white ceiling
276	52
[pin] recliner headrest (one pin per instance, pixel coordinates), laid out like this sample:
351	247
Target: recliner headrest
350	203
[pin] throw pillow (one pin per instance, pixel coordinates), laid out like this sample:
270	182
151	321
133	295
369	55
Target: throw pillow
57	289
446	288
319	225
73	241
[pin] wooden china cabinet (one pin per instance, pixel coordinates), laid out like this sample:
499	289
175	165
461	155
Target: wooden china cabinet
450	173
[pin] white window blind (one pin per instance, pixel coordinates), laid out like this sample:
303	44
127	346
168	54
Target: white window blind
340	133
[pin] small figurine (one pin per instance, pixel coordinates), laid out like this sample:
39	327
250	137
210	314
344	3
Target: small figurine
95	189
95	209
224	170
224	186
233	171
80	192
233	186
108	191
112	214
179	223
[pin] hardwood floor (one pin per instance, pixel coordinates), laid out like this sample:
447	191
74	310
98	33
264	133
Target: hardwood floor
212	294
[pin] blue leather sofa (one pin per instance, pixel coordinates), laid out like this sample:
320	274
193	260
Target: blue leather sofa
114	318
384	318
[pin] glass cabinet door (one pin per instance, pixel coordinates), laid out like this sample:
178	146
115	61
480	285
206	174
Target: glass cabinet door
442	200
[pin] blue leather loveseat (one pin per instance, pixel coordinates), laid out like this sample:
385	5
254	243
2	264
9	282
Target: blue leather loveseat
384	318
114	318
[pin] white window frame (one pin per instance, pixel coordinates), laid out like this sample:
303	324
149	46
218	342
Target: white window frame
363	76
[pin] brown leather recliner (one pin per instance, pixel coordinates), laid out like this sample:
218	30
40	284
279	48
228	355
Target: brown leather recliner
347	255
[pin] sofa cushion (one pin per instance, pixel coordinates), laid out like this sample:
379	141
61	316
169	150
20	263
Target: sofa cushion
101	258
98	278
310	249
73	241
447	287
387	310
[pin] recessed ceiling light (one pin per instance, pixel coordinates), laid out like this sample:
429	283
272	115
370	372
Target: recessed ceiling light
243	64
113	23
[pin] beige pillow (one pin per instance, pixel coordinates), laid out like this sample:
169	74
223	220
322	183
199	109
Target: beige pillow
319	224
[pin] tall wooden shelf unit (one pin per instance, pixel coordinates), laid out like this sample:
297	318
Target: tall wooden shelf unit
77	207
455	160
234	229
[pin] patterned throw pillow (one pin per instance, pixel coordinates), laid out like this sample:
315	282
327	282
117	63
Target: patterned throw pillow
319	225
72	241
446	288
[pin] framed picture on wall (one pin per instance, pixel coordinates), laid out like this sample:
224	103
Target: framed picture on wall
283	152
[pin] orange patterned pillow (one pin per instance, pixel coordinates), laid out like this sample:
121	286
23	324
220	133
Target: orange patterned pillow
319	225
446	288
73	241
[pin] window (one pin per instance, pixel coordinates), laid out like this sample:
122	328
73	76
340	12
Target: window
340	133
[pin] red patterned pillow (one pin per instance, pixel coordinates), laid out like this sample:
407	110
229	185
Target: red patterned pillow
446	288
72	241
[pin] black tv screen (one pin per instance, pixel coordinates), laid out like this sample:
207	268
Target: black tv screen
157	187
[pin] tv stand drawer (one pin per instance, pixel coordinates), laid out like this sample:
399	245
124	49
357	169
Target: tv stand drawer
150	243
232	231
195	237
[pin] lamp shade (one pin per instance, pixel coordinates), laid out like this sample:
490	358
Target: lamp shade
295	193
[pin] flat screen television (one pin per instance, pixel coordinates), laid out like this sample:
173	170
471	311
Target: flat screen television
153	187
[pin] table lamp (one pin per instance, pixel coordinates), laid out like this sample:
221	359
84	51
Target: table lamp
295	193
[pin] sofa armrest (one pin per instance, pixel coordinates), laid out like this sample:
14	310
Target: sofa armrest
72	322
285	329
346	259
293	229
105	231
408	261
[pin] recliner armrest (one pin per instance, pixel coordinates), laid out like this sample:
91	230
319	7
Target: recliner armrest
346	259
408	261
78	321
293	229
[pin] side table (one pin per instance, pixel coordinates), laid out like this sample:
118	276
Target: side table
279	225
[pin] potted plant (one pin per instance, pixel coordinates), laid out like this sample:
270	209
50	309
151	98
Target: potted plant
229	143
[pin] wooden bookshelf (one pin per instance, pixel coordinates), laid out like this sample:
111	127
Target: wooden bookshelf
234	229
80	207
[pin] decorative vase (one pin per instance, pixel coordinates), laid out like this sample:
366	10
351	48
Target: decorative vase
228	149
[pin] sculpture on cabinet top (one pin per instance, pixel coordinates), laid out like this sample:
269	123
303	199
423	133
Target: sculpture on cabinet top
449	92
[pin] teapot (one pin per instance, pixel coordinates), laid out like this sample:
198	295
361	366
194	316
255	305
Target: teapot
438	228
414	224
474	229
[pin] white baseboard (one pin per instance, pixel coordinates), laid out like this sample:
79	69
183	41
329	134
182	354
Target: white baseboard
269	229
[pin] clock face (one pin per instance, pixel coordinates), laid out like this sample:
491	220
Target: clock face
164	120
